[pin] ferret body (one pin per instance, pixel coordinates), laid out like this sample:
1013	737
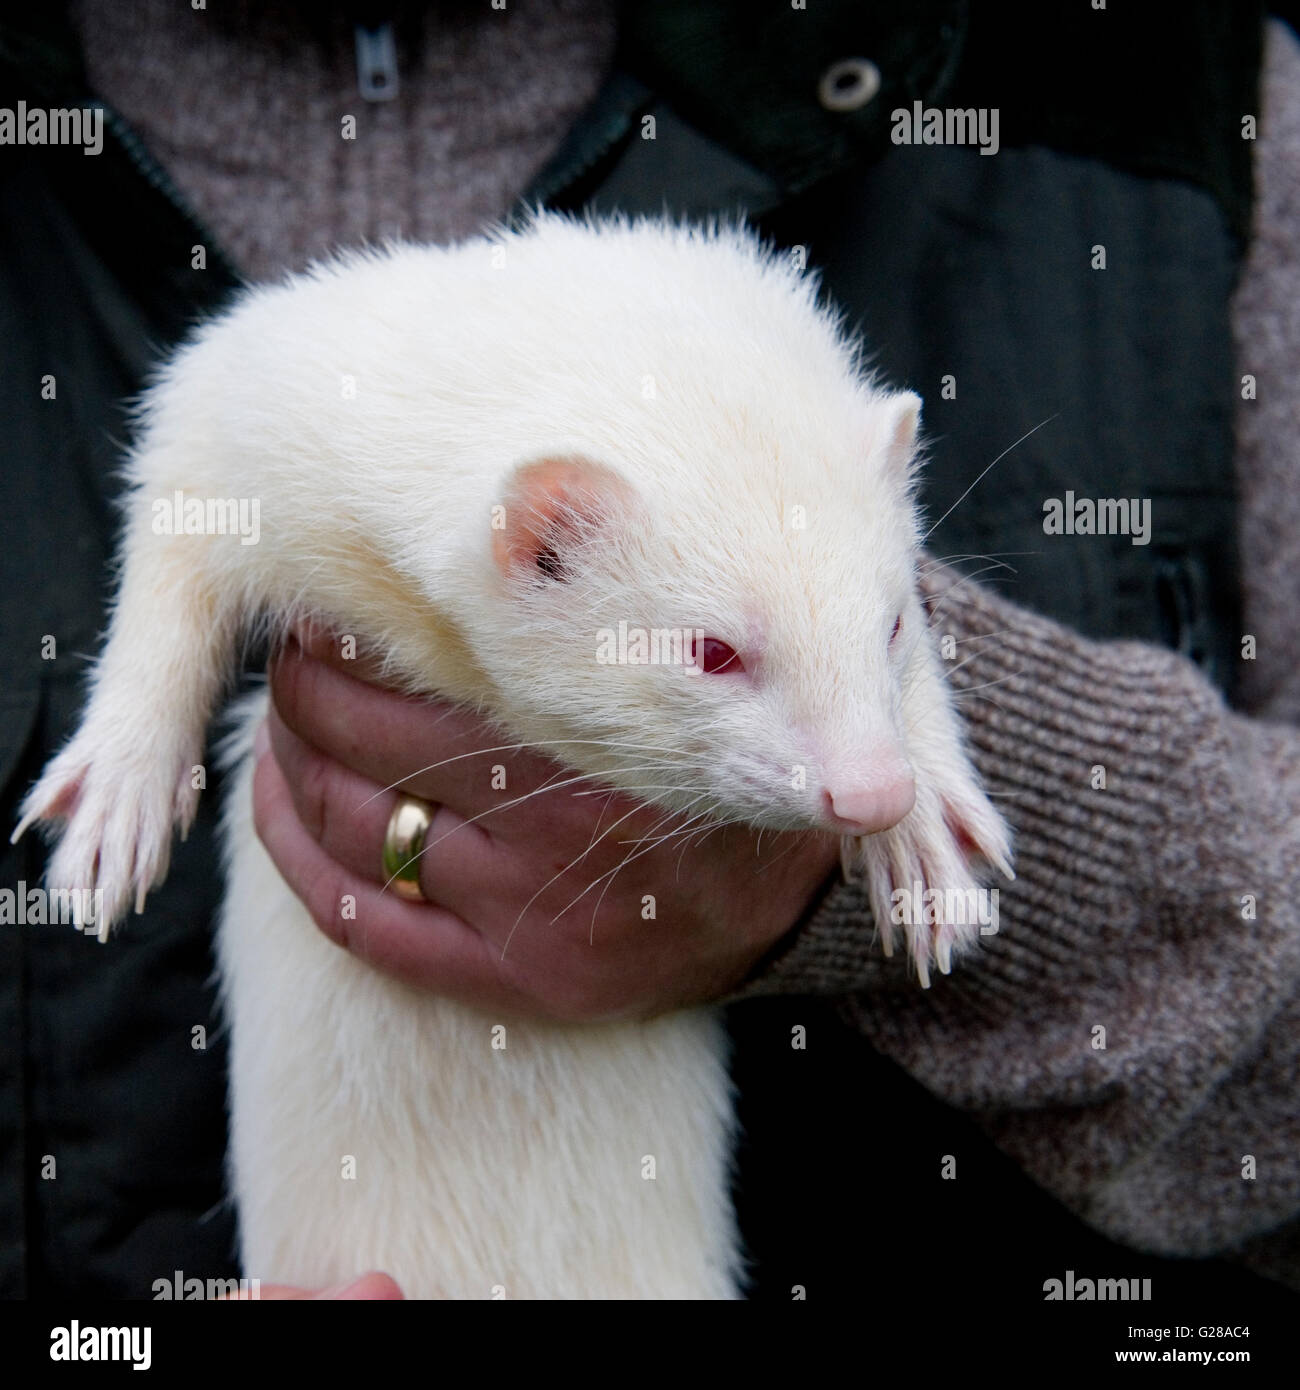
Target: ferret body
477	460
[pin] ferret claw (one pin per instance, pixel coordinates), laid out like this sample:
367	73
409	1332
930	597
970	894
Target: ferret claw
930	850
943	956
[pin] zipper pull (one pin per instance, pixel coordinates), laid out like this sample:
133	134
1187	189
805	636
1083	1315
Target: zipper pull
376	62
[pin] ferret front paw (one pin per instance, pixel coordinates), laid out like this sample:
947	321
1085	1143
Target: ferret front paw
922	875
116	807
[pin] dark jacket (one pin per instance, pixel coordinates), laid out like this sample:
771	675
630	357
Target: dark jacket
1118	129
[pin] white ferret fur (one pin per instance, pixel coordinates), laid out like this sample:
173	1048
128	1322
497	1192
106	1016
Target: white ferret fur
475	458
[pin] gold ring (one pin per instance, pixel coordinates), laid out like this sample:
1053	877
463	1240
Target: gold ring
403	845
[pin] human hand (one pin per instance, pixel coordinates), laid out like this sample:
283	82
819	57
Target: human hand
371	1288
510	923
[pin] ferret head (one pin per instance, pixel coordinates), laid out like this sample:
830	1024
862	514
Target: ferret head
734	638
722	658
704	568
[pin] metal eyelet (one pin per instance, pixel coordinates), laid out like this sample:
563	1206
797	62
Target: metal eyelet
849	84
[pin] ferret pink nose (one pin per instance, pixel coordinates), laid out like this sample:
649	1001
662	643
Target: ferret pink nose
866	808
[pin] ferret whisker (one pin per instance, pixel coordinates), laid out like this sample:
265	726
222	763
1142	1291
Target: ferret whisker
966	579
708	830
673	764
798	840
610	874
984	473
988	699
571	865
998	556
647	787
516	747
595	840
686	842
987	685
650	837
974	656
983	636
941	599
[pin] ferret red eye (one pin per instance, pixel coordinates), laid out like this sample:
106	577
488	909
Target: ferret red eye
713	656
898	627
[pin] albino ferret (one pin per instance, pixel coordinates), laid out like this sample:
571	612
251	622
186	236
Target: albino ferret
480	459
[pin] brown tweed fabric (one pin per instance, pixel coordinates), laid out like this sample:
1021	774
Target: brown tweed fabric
243	104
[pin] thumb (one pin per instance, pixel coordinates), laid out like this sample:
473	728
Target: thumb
373	1286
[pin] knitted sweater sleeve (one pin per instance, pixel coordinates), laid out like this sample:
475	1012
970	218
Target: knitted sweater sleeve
1131	1033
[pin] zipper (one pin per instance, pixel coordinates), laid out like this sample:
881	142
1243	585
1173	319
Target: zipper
377	77
160	181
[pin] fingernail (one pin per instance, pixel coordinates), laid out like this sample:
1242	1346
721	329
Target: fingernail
372	1286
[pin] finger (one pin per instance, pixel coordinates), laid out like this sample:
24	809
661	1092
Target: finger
348	818
374	1286
439	751
342	651
425	945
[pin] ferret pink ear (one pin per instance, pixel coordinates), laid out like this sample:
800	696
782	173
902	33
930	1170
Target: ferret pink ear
551	507
901	425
